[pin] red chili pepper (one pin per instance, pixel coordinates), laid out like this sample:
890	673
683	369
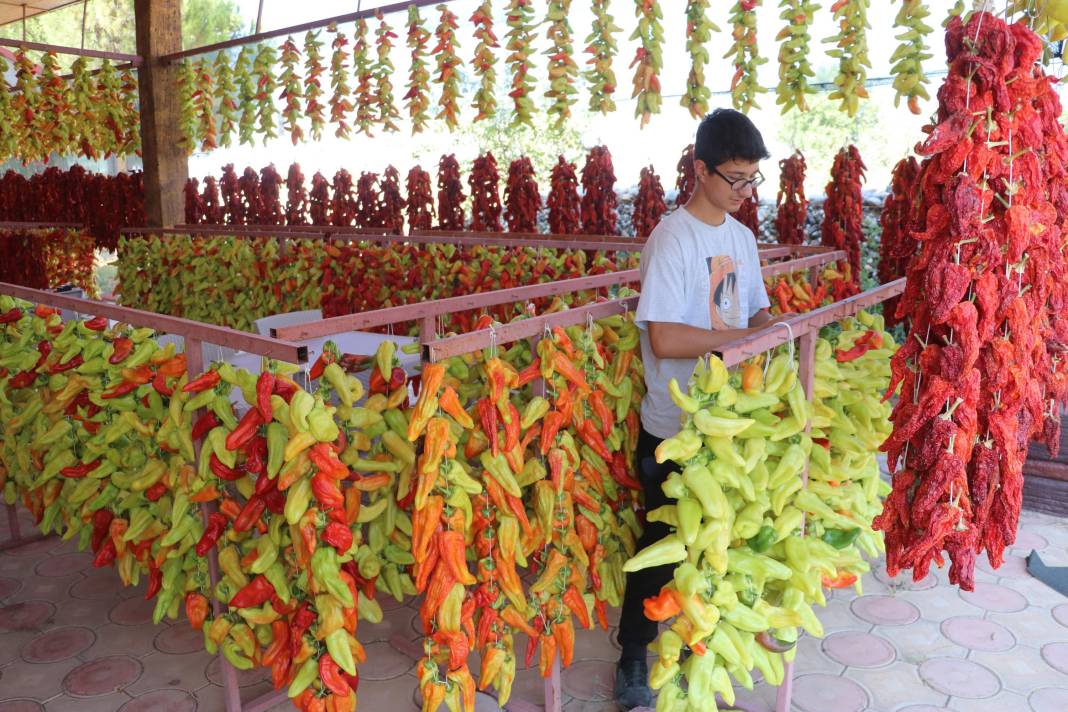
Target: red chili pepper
105	556
80	470
97	323
155	582
119	390
620	473
156	491
205	423
284	389
216	525
487	413
206	380
245	429
121	348
23	379
101	522
325	358
255	459
589	435
220	470
330	674
255	593
159	382
326	491
73	363
11	316
250	513
264	390
338	536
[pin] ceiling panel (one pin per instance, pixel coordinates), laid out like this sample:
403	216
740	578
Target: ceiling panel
11	11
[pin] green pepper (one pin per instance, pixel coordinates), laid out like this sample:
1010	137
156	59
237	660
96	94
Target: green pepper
276	574
688	511
298	498
841	538
763	539
277	437
669	550
326	569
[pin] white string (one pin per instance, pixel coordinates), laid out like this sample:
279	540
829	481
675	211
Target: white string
493	341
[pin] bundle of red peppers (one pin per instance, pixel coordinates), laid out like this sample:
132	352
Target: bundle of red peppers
791	205
450	194
564	205
982	373
649	205
104	204
686	182
598	193
484	182
843	211
897	245
749	213
43	259
521	197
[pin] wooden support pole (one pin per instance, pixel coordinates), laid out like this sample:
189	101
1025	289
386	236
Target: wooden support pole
159	32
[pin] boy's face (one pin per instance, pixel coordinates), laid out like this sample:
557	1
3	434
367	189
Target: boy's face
715	184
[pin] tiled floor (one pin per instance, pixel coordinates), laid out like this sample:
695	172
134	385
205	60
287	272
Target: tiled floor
73	640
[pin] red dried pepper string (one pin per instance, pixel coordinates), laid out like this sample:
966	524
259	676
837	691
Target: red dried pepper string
564	218
843	211
791	205
686	180
450	194
649	205
599	195
296	197
980	379
391	208
420	203
896	245
521	197
748	214
485	198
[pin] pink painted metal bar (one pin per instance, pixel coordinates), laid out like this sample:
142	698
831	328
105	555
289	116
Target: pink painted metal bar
134	59
410	312
524	329
188	329
16	225
800	263
554	699
768	339
550	236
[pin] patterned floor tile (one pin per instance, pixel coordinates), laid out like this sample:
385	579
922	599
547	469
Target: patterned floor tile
64	565
38	682
46	589
920	641
395	621
384	662
978	633
529	686
960	678
1035	592
1026	541
1060	614
895	686
811	658
590	680
103	703
11	643
857	649
22	705
1056	655
884	610
162	701
999	703
9	586
940	603
838	614
819	693
245	678
114	639
102	676
26	615
923	708
36	549
100	584
1021	669
179	639
91	613
594	644
1049	699
995	598
132	611
58	644
164	672
1032	626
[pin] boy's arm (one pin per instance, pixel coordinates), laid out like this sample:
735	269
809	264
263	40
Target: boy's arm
673	340
761	318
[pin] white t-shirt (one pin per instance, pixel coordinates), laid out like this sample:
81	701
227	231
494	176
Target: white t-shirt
697	274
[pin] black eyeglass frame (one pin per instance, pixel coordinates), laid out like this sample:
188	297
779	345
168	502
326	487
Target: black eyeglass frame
739	185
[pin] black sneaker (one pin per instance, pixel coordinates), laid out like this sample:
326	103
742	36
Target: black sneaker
632	684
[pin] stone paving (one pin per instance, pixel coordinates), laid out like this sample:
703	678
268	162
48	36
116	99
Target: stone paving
72	639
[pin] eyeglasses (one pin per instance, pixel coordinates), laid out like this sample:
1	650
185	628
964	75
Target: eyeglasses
739	185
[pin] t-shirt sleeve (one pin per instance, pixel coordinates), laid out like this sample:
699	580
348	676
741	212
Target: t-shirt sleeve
662	296
758	294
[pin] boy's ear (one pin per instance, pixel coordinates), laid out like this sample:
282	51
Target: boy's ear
700	169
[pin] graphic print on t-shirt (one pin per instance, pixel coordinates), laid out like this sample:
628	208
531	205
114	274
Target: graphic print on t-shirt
724	305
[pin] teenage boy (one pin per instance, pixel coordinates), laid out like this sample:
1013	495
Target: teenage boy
701	289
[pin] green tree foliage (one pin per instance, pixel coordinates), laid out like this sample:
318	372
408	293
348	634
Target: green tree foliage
109	25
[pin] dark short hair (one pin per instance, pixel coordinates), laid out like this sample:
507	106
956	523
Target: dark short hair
728	135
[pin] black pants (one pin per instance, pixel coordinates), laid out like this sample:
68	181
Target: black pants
635	630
